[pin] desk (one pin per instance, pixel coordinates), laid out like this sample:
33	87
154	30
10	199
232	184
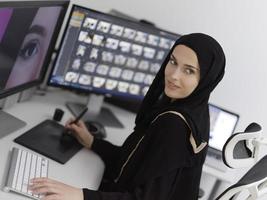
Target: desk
85	169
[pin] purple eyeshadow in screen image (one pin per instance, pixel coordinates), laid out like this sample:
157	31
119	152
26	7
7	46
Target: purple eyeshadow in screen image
5	15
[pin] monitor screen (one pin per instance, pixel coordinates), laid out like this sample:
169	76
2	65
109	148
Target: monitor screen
28	31
222	126
105	54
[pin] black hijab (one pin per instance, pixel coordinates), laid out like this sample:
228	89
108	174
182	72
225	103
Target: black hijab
194	108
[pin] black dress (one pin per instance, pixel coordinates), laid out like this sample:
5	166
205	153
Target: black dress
154	164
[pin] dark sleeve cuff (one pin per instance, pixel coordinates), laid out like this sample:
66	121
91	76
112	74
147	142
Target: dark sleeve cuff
105	149
90	194
98	145
109	153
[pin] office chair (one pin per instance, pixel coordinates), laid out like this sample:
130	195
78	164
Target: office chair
242	150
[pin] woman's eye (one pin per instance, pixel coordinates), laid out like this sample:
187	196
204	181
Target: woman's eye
189	71
172	61
29	49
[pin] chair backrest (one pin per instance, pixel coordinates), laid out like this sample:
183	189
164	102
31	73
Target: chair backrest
242	150
239	151
253	184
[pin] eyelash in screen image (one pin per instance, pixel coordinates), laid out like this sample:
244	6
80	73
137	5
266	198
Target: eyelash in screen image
30	49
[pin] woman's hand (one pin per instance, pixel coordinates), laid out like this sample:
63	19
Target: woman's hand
81	133
54	190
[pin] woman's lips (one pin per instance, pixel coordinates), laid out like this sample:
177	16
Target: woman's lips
172	85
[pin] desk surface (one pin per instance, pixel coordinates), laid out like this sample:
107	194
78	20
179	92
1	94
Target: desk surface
85	169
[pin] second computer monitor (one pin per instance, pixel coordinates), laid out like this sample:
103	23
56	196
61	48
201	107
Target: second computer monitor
28	31
108	55
222	126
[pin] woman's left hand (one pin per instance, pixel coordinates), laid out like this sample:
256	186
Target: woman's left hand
54	190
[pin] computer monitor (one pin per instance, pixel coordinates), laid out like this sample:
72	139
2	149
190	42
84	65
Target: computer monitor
222	126
28	32
108	55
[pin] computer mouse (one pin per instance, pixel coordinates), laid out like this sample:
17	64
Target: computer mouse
96	128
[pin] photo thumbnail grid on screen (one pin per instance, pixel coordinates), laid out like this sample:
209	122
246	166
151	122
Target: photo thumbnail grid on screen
109	55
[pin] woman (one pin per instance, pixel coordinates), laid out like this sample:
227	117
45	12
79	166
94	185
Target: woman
163	158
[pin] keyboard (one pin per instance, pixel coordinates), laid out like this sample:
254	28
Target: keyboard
24	166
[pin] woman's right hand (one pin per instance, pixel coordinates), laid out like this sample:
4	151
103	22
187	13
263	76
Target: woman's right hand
81	133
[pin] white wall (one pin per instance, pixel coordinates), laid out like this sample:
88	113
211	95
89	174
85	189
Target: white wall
241	28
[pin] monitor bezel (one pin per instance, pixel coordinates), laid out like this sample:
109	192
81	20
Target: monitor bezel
51	47
227	111
87	91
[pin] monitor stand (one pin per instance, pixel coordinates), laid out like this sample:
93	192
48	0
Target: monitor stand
9	123
95	111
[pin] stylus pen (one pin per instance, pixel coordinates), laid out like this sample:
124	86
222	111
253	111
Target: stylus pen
79	116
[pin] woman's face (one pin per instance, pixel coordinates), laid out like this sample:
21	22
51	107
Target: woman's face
182	73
